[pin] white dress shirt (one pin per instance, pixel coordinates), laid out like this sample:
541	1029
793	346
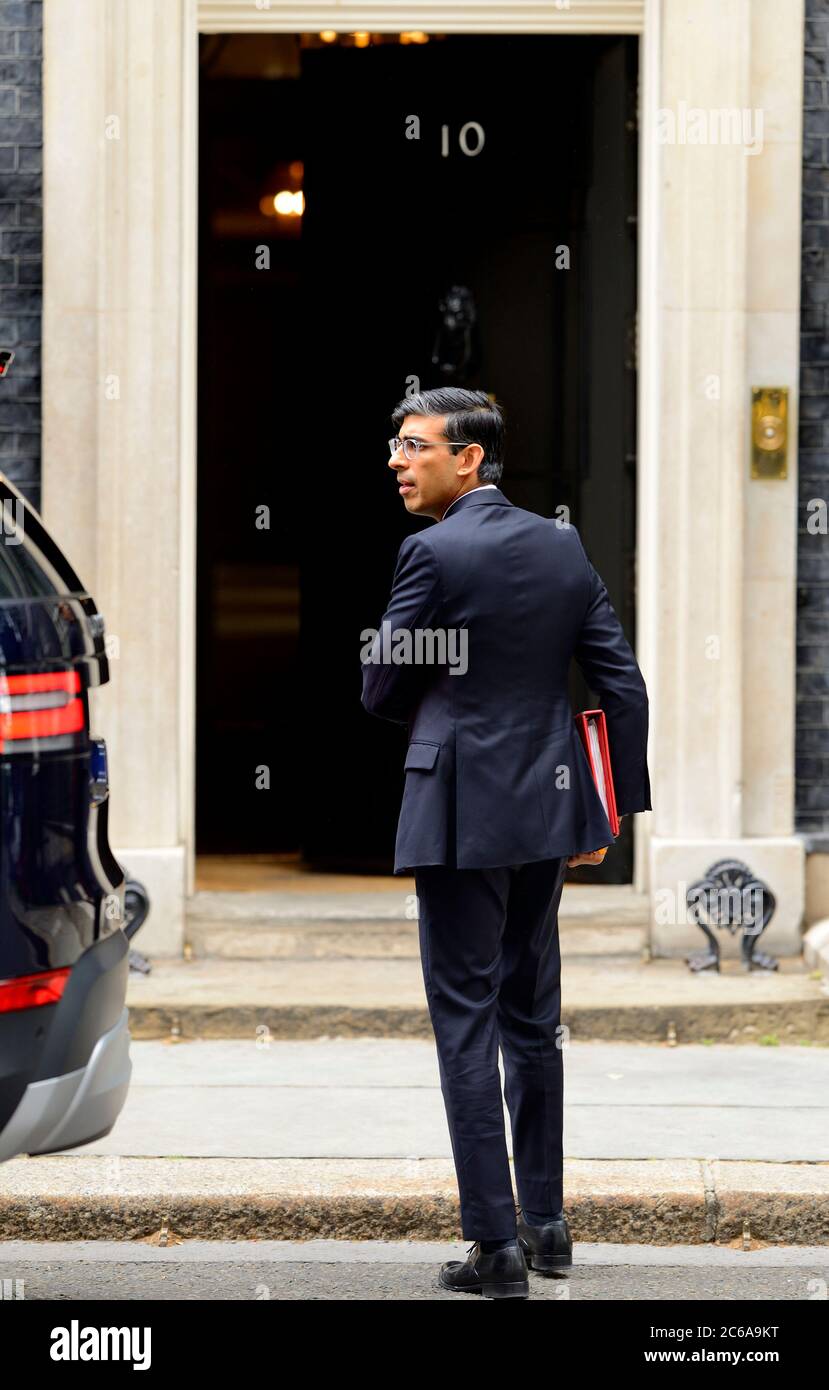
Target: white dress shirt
466	494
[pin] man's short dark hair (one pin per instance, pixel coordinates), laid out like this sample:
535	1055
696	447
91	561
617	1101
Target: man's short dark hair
471	418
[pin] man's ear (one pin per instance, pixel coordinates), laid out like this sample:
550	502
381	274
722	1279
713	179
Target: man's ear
477	459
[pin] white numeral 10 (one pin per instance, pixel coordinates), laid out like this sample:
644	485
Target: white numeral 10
463	138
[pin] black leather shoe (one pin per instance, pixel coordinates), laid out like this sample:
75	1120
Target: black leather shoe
502	1274
548	1247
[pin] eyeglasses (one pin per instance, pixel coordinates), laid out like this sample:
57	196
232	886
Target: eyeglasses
412	446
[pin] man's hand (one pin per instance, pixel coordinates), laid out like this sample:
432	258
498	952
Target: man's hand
594	857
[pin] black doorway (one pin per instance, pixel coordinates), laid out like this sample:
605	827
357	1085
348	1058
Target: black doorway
301	363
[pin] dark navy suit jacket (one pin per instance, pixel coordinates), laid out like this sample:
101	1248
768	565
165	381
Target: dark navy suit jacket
495	770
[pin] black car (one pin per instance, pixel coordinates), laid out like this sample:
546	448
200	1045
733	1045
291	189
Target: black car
64	946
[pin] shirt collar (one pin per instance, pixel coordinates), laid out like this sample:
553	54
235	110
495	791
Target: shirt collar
466	494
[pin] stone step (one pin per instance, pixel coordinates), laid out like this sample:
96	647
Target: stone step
373	940
296	925
612	997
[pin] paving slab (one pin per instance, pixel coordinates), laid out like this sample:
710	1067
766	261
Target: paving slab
375	1098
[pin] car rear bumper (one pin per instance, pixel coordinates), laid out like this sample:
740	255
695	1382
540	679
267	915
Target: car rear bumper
64	1067
63	1111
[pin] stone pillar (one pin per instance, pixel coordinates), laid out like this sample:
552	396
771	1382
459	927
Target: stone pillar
723	610
119	399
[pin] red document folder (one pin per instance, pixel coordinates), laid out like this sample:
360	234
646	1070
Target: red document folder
592	728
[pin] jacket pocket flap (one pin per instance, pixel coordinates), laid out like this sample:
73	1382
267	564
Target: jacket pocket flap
421	754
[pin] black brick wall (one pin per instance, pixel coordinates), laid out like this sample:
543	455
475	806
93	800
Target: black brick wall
21	233
812	727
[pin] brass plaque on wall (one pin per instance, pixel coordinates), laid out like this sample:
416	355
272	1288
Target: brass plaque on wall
769	431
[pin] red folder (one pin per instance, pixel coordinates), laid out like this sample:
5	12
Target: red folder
592	728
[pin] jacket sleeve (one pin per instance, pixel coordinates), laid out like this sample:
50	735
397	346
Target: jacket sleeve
610	668
393	689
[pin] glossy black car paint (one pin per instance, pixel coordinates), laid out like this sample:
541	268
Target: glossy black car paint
61	889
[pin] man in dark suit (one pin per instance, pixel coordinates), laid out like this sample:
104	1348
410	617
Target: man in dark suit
487	609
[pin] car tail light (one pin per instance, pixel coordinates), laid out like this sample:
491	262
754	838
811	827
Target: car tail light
30	991
46	705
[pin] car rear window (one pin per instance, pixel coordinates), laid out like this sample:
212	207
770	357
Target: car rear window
31	564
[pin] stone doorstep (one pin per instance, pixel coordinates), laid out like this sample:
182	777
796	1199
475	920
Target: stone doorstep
595	922
610	998
288	939
805	1025
257	926
378	982
657	1202
580	902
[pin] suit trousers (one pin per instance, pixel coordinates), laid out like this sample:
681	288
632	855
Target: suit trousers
491	963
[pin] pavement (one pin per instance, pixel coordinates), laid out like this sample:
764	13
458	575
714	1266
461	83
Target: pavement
347	1138
285	1087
